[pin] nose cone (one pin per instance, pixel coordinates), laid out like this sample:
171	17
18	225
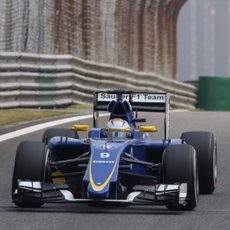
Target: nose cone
101	174
103	167
100	194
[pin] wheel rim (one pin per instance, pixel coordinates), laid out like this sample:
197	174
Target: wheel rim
196	181
215	166
45	166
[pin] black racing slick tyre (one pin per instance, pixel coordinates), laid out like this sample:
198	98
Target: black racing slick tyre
206	150
49	133
179	166
30	164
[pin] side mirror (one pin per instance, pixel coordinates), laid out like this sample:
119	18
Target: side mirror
148	129
84	128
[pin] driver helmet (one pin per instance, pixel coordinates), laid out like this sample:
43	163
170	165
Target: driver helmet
117	128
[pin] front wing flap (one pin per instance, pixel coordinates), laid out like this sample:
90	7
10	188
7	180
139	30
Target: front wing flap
159	194
162	193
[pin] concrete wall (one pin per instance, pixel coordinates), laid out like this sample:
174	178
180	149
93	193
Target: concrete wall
30	80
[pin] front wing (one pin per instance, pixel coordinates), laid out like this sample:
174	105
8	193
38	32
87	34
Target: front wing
159	194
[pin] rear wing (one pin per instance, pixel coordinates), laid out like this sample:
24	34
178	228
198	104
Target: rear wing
140	101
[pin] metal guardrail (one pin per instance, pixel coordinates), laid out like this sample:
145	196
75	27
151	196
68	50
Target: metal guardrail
31	80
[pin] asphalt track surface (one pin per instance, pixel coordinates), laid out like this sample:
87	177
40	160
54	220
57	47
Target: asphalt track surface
213	211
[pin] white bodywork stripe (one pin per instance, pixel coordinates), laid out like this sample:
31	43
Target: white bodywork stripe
67	194
183	191
172	187
161	188
132	195
30	185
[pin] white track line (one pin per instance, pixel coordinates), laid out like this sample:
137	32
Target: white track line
45	125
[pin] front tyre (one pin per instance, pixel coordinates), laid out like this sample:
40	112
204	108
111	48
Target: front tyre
206	150
53	132
30	164
179	166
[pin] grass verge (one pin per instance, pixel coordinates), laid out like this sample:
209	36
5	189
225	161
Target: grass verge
14	116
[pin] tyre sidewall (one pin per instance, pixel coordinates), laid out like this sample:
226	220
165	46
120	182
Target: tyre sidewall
53	132
179	166
30	164
206	149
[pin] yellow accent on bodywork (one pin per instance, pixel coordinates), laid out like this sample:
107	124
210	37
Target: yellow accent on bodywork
58	180
148	129
84	128
100	187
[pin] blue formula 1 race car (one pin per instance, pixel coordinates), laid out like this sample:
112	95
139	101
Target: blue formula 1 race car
117	164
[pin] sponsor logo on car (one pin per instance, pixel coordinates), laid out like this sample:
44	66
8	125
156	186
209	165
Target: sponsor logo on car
102	162
137	97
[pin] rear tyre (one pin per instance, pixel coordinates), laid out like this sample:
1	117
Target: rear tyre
30	164
206	150
49	133
179	166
